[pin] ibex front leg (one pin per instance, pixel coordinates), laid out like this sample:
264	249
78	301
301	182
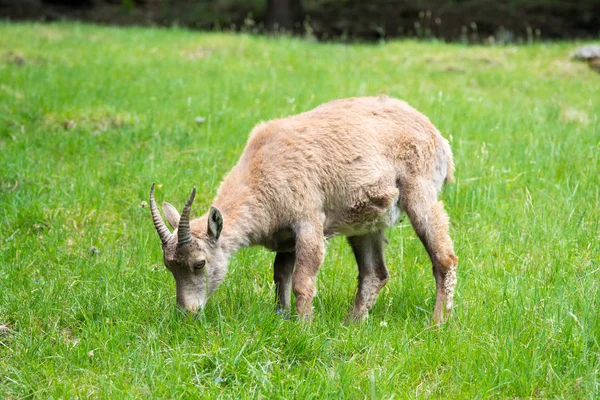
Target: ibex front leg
310	249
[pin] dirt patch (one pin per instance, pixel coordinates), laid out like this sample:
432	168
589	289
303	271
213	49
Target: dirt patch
12	92
571	115
50	34
19	59
5	330
9	185
454	69
567	68
97	121
14	58
462	64
488	61
196	54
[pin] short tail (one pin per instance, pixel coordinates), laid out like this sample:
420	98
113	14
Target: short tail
450	171
447	154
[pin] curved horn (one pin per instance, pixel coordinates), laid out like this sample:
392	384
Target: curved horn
165	235
183	229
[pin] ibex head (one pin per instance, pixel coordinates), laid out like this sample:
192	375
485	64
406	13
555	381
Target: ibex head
194	256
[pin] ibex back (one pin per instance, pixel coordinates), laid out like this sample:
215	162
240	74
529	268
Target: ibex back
349	167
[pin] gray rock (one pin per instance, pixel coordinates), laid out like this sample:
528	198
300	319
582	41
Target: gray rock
587	52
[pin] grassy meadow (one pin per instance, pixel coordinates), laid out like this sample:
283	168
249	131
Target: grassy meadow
91	116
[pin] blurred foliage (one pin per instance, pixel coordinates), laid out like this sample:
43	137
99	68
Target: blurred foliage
207	14
464	20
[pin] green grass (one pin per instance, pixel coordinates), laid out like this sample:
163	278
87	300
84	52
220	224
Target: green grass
91	116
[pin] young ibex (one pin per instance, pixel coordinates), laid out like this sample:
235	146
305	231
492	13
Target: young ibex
349	167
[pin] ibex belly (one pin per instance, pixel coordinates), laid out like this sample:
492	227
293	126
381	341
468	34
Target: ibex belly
375	209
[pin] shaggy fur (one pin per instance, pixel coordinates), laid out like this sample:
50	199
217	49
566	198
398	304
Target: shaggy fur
349	167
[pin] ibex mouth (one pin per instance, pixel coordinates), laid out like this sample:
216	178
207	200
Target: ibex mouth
191	307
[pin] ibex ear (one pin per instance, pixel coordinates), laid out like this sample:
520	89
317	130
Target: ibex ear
171	214
215	223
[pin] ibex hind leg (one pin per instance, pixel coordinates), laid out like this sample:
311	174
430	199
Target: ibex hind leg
430	221
372	273
283	272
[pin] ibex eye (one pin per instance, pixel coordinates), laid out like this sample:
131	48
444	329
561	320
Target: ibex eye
199	265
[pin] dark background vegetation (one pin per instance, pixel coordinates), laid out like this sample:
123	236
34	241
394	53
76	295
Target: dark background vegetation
466	20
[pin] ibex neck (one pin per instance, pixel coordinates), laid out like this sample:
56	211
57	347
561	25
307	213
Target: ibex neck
232	239
244	216
239	223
